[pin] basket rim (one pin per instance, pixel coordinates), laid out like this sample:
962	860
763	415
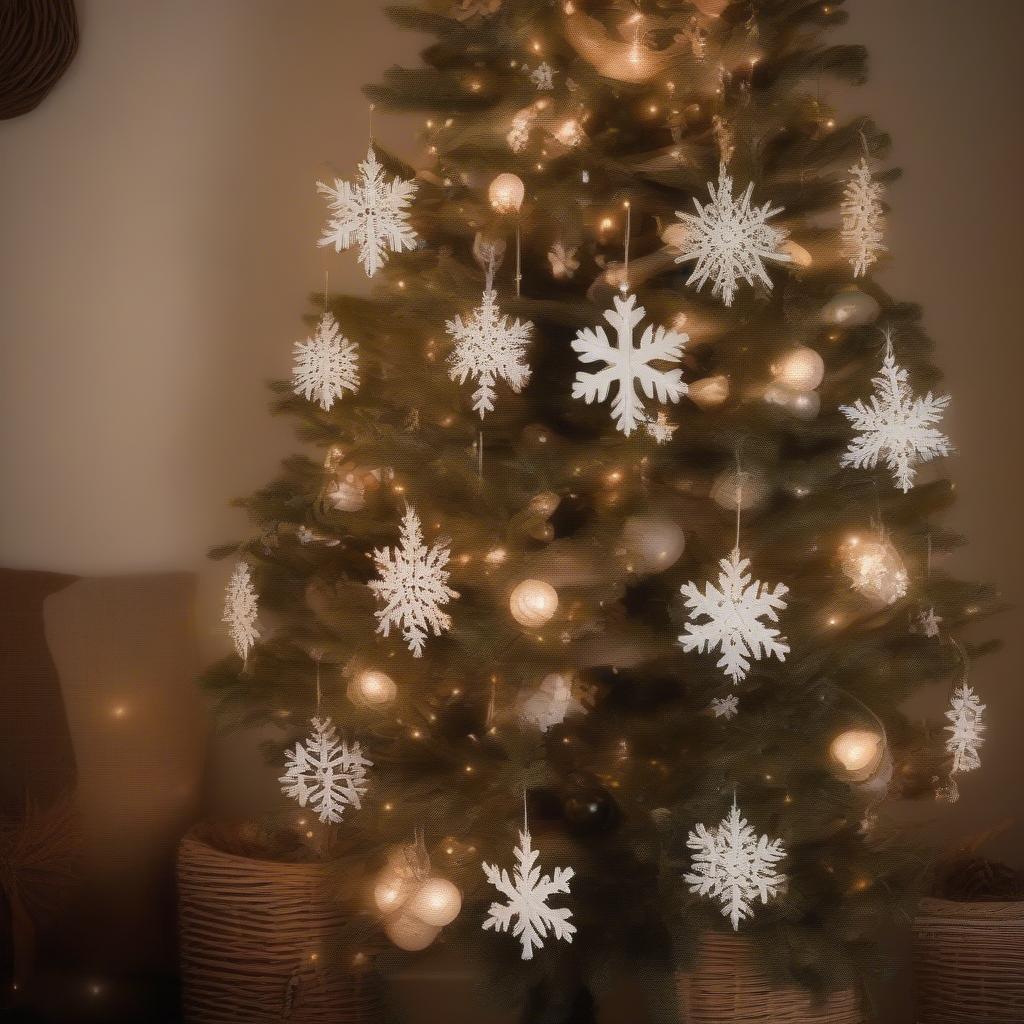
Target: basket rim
935	907
193	838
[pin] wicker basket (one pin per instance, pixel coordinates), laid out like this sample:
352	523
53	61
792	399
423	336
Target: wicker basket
251	934
728	986
969	962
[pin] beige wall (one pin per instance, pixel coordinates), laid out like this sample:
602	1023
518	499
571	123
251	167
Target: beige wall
157	246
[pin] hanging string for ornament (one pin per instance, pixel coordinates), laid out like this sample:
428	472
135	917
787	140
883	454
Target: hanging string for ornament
492	705
739	494
624	285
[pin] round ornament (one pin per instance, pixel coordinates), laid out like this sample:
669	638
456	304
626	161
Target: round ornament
709	392
804	405
653	542
506	193
371	688
799	369
850	308
875	569
533	603
437	902
410	933
391	891
856	754
798	255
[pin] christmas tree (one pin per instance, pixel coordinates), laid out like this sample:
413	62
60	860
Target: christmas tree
620	498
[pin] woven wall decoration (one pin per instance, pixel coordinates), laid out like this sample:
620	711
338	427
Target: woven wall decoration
38	40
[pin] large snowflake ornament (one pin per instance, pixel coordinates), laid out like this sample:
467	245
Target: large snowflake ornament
894	426
372	212
326	365
966	729
629	367
489	347
863	230
413	585
326	774
732	612
527	893
241	608
733	865
730	240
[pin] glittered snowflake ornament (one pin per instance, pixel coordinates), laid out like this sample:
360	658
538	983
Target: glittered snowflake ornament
325	774
894	427
730	240
413	586
526	894
489	347
241	607
863	230
733	865
326	365
966	729
732	614
630	368
727	707
373	213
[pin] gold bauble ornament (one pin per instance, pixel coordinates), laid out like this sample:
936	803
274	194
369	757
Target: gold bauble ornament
436	902
653	542
371	688
856	754
410	933
850	308
799	369
709	392
875	569
506	193
533	603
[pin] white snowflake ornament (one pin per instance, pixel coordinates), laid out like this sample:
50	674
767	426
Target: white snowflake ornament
489	347
241	607
894	426
526	895
730	240
372	212
326	774
727	707
549	704
733	865
413	585
543	76
966	729
563	261
863	228
326	365
629	367
518	136
732	612
661	429
927	623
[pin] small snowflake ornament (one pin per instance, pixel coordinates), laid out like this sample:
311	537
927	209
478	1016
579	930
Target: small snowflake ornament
629	367
730	240
326	774
518	136
526	895
543	76
894	426
927	623
727	707
863	228
733	865
489	347
966	729
413	585
549	704
241	607
660	429
563	261
326	365
373	213
732	612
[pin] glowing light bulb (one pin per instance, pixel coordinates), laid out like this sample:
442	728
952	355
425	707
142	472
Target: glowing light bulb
856	754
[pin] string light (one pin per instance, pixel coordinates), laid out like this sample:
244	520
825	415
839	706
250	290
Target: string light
506	193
